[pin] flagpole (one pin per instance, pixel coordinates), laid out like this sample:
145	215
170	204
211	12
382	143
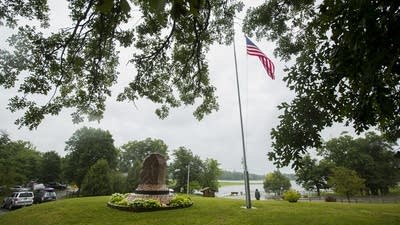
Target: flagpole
246	173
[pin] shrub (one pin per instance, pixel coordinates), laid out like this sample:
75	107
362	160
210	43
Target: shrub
291	195
330	198
116	197
145	204
181	202
97	180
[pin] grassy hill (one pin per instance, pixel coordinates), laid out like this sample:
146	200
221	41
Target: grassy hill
215	211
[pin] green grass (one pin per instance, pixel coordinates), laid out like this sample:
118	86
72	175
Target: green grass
218	211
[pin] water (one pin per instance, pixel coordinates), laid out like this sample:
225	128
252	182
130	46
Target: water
226	191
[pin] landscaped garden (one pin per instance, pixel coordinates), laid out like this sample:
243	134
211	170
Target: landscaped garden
93	210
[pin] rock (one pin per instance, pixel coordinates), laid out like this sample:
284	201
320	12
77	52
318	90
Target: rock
153	180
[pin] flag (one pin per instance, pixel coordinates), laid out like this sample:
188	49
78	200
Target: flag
252	49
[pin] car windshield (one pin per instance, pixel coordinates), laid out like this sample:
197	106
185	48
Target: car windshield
49	194
26	194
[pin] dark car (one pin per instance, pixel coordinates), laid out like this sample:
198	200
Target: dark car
56	185
18	199
45	195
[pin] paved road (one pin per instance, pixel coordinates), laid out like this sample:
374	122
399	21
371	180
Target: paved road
3	211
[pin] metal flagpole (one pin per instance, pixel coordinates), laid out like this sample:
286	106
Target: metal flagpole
246	173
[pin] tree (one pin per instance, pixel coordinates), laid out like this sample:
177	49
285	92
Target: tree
179	169
20	162
347	68
371	157
77	65
210	174
313	175
276	182
85	147
98	179
346	182
139	150
133	178
51	167
119	183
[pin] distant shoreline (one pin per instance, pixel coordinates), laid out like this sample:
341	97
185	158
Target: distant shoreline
223	183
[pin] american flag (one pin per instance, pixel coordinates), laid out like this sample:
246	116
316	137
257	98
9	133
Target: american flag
252	49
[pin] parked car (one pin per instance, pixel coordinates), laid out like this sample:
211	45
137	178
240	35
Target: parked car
37	186
18	199
18	188
56	185
45	195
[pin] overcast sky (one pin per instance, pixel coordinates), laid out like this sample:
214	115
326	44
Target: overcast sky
217	136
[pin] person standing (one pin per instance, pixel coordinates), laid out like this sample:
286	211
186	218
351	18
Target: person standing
257	194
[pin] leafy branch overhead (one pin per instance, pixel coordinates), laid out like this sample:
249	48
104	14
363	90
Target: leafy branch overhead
347	68
75	67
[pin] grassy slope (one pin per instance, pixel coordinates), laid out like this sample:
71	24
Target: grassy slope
219	211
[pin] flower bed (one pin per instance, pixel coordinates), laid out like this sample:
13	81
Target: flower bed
122	202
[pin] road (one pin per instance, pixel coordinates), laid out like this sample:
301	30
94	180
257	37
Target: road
3	211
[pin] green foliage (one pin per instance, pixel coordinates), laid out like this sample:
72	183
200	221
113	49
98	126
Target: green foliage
312	175
85	147
19	162
138	150
291	195
118	182
346	182
117	197
145	204
51	167
347	68
76	66
148	204
210	174
133	178
97	181
276	182
10	10
179	168
372	157
202	173
181	202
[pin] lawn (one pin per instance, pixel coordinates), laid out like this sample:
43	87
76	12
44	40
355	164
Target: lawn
216	211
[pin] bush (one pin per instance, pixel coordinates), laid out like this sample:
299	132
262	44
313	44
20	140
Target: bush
116	197
291	195
181	202
330	198
145	204
97	180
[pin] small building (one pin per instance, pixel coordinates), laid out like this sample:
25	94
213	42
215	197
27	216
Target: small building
208	192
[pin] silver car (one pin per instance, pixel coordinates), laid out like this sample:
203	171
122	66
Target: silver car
18	199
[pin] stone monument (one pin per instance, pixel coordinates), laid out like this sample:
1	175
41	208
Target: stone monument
152	180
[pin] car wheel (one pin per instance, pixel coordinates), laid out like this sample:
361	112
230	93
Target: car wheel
10	206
